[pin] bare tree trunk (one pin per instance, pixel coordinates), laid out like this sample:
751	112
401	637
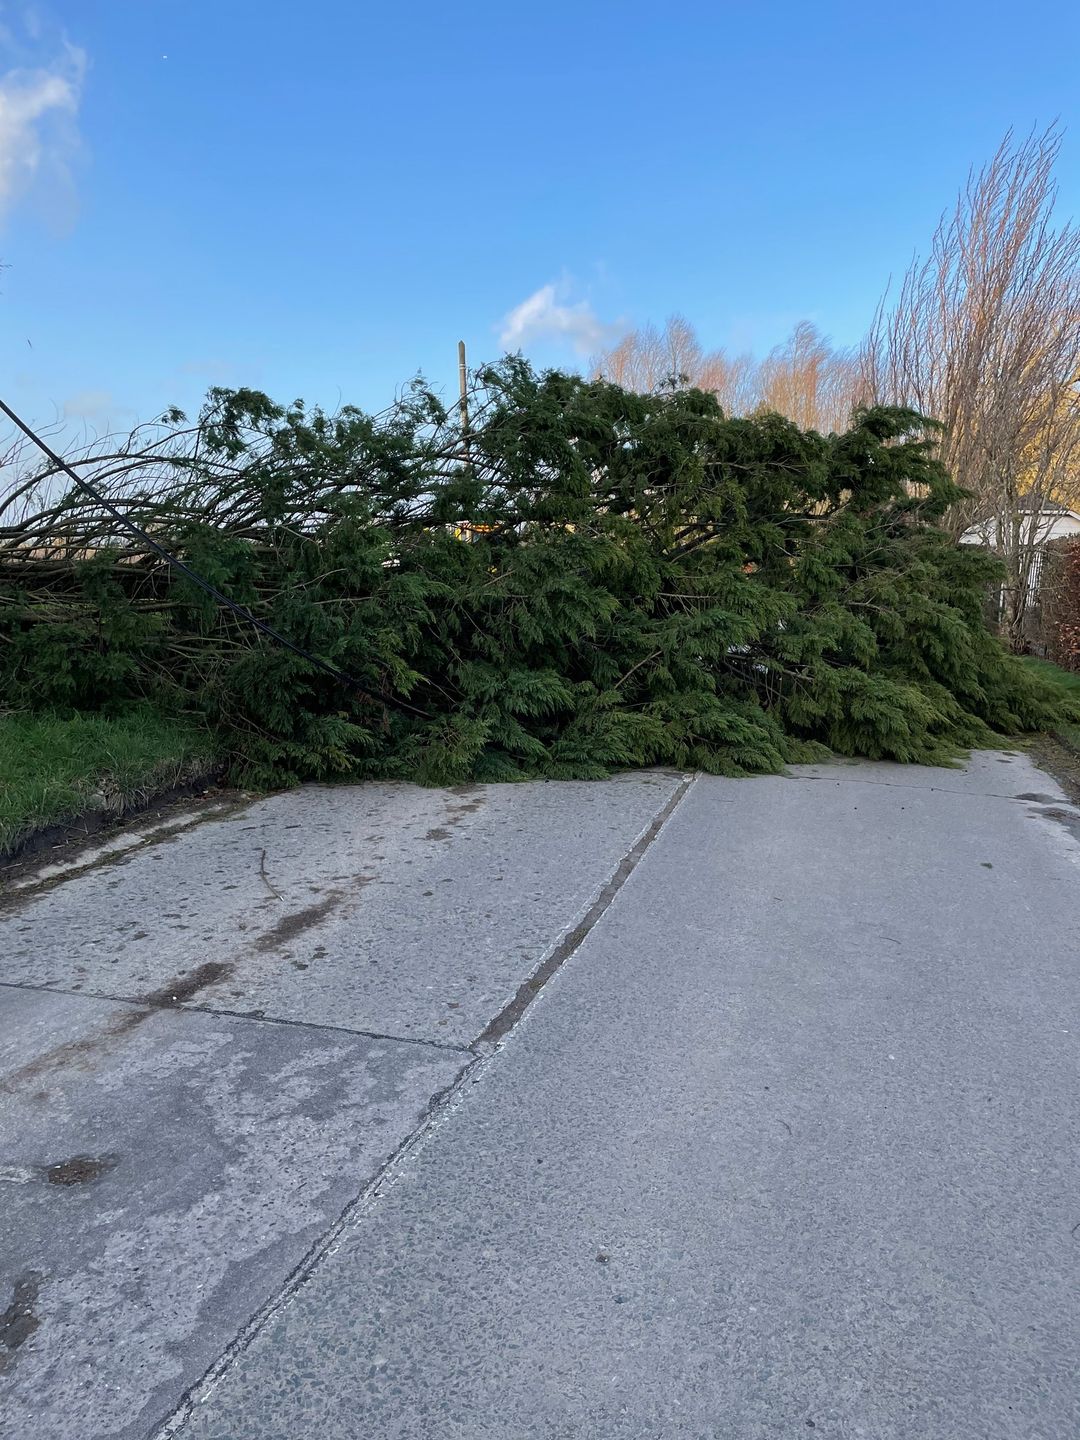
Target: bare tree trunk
1014	610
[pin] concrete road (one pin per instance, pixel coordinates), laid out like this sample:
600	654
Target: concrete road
789	1141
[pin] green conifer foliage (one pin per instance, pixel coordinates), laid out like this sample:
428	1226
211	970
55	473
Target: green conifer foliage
590	580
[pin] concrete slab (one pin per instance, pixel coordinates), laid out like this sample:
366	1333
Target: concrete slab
381	908
791	1145
161	1174
72	856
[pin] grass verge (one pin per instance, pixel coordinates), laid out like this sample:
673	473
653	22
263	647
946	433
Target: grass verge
1067	680
53	771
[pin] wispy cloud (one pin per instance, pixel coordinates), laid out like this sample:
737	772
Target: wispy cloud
213	371
38	133
97	406
547	316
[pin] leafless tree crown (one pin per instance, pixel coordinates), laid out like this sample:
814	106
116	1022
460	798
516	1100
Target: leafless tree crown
805	378
984	335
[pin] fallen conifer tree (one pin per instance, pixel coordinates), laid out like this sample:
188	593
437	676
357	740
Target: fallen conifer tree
583	580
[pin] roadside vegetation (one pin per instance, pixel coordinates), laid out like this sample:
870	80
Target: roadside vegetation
982	333
1067	682
54	769
690	558
579	580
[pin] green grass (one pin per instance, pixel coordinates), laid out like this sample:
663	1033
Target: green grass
1067	680
53	770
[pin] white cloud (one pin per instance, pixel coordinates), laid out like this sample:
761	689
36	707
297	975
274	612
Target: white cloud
545	316
37	124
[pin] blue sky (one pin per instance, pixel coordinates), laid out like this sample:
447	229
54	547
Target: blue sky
321	200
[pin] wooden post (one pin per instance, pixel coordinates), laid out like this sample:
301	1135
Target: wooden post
463	404
463	381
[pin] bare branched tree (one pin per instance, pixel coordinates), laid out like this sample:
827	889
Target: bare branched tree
810	382
805	379
649	359
984	335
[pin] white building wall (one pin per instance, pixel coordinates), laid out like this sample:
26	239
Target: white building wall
1047	528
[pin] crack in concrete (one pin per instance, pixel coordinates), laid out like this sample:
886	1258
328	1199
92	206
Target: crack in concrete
482	1052
438	1105
248	1015
509	1016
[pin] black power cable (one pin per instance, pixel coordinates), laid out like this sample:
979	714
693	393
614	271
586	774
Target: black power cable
219	595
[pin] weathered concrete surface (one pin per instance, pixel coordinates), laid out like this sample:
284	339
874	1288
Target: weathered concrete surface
166	1164
791	1145
161	1173
382	908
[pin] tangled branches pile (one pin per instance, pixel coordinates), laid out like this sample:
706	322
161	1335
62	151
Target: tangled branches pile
586	579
